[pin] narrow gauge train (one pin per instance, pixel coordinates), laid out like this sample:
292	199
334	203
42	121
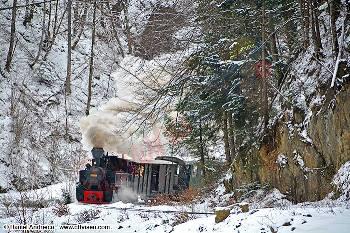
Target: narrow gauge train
108	174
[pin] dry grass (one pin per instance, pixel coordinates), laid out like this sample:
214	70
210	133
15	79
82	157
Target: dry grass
185	197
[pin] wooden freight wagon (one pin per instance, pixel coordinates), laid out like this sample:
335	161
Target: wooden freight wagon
148	177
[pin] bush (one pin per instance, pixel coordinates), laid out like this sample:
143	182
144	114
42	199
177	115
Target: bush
180	218
61	209
66	196
185	197
188	195
88	215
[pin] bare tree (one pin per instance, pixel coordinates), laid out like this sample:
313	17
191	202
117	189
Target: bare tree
315	28
264	74
29	12
332	13
12	37
69	52
114	28
127	26
80	26
91	65
43	34
55	29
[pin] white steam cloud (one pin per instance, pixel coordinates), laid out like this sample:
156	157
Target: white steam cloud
105	127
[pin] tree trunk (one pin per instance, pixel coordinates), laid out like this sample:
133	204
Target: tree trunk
317	25
201	144
274	50
226	138
49	21
76	18
12	37
289	28
27	14
81	27
91	65
127	26
232	136
52	36
264	73
69	52
332	12
307	22
43	32
114	28
302	22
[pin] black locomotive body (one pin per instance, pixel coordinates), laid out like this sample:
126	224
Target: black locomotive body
109	174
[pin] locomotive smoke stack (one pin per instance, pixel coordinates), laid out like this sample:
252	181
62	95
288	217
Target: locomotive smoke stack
97	154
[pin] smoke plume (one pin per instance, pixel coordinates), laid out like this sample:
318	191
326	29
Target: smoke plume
106	128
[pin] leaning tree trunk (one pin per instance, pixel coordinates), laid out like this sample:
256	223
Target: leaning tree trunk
12	37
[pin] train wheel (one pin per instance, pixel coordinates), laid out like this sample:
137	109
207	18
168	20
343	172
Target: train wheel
79	192
108	196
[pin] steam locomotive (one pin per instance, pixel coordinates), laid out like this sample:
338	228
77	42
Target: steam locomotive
107	175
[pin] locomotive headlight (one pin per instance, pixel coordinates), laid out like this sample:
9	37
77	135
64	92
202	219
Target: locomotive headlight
93	175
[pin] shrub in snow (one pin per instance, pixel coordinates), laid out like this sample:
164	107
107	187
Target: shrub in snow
61	209
88	215
67	198
341	180
247	191
180	218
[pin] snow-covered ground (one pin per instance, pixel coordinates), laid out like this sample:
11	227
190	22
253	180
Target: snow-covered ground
324	216
135	218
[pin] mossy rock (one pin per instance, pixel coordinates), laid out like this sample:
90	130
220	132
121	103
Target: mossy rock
244	207
221	214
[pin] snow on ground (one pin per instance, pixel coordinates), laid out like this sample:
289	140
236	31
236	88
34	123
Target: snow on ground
153	219
295	219
319	217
